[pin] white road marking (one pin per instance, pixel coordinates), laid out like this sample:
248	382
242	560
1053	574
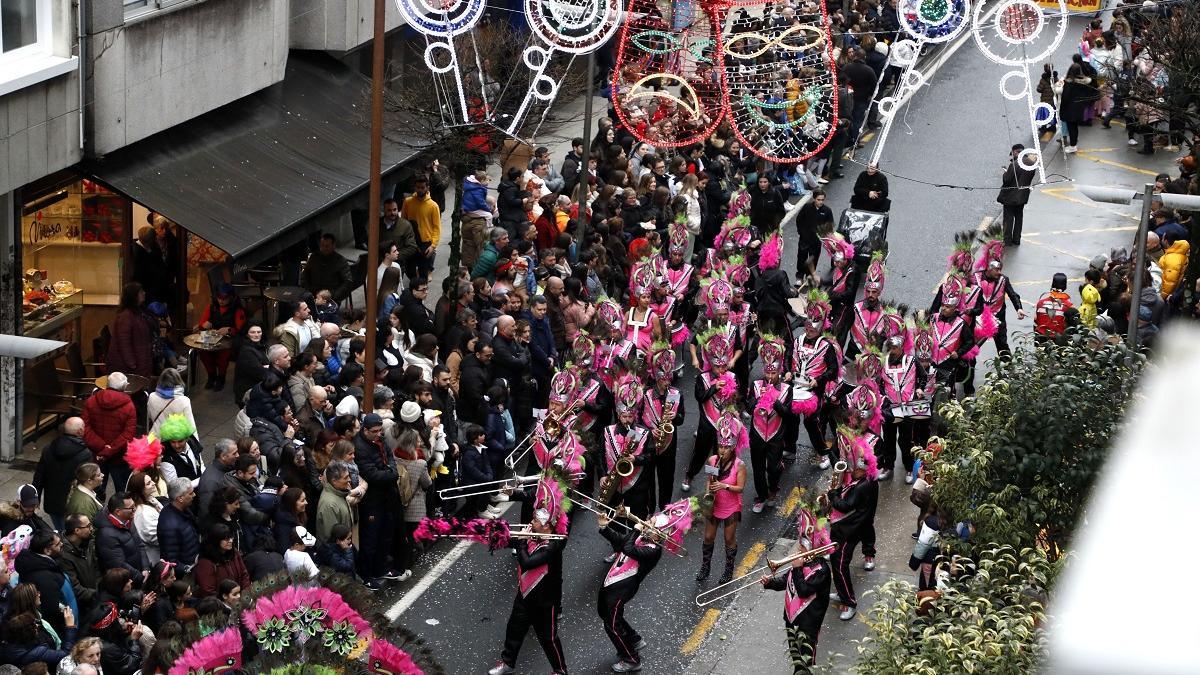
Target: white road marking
410	598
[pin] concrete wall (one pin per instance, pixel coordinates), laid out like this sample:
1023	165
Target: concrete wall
39	131
336	25
169	67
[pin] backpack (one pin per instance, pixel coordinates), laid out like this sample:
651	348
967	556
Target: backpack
404	484
1050	314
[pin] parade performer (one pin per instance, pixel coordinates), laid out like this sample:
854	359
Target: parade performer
726	481
626	451
662	413
903	382
597	406
717	295
851	500
642	324
681	280
922	334
817	370
773	396
614	353
953	336
538	602
865	416
773	288
555	444
996	288
840	282
806	591
637	553
716	389
868	312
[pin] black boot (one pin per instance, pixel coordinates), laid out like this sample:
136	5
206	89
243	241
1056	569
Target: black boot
219	384
706	562
730	556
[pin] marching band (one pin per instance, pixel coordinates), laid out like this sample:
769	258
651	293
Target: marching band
609	439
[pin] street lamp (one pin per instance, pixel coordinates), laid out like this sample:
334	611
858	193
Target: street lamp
1120	195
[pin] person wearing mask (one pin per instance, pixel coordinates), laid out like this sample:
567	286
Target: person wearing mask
110	422
56	468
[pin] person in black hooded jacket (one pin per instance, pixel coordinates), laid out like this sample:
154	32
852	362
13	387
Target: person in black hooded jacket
251	362
36	565
56	469
120	651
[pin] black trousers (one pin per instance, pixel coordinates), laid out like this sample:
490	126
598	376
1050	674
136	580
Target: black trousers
766	458
1013	219
377	534
839	561
1001	337
664	474
611	607
544	621
895	431
703	448
814	425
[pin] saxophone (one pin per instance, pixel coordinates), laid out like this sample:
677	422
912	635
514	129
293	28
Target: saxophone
623	467
665	427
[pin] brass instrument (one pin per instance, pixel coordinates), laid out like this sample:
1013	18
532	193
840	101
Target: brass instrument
835	481
752	577
665	427
622	467
615	515
551	424
492	486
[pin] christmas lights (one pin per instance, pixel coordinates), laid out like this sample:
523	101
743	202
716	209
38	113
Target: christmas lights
441	23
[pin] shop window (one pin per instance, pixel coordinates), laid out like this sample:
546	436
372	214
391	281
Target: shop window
135	8
71	250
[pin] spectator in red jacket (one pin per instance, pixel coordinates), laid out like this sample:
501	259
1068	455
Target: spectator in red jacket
109	423
219	560
131	350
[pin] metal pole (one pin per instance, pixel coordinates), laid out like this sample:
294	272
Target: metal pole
1135	302
373	206
582	188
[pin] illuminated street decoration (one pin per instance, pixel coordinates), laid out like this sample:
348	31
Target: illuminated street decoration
442	22
1017	36
673	89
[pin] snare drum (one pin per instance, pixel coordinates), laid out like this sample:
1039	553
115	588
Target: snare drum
801	393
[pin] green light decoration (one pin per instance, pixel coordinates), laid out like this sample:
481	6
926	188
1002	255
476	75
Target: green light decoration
933	11
642	42
812	96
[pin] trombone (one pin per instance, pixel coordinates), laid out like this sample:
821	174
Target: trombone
752	577
493	486
551	424
614	515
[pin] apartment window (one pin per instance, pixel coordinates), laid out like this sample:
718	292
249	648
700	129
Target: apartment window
25	28
139	7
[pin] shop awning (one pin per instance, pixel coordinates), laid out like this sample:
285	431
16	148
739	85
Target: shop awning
246	175
20	347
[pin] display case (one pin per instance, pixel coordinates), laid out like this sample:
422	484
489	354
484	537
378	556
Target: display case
46	306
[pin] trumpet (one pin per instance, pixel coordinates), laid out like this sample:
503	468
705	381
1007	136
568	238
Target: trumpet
752	577
551	424
493	486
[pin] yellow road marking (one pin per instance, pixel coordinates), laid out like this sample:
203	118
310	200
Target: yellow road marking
1059	193
1097	150
792	501
866	138
697	637
1059	250
1084	154
710	616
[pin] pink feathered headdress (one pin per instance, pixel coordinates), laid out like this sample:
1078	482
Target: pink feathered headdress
215	653
772	251
143	453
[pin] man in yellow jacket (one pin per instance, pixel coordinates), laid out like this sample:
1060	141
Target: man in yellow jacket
420	209
1173	263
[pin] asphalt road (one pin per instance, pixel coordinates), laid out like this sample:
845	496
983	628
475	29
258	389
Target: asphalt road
956	131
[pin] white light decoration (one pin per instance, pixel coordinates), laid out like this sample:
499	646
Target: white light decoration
1017	31
923	22
572	27
441	21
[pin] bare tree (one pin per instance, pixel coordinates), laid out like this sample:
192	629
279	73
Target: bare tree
495	80
1168	43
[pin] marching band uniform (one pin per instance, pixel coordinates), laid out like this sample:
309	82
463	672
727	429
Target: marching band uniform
662	403
996	288
680	279
867	314
840	282
637	555
851	512
953	336
596	411
773	406
627	438
806	594
817	358
727	502
639	333
715	390
538	603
